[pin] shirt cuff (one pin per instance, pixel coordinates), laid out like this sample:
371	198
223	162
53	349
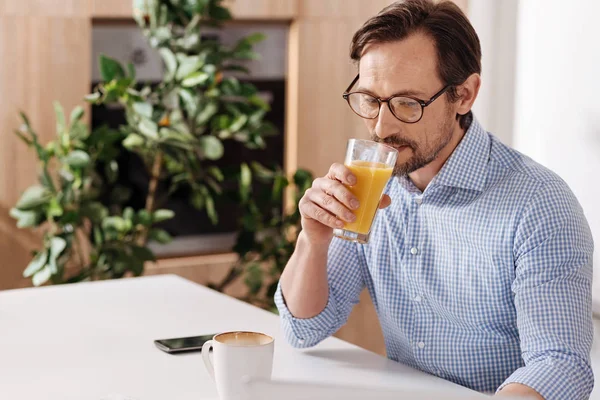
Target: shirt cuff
550	380
307	332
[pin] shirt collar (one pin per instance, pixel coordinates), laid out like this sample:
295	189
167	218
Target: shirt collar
466	167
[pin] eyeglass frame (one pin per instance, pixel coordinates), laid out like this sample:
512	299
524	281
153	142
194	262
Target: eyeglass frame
422	103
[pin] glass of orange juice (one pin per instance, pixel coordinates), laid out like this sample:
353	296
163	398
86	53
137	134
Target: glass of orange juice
372	163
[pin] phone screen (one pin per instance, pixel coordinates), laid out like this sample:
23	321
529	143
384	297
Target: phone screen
183	344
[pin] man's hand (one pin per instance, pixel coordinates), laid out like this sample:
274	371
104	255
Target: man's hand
328	204
518	390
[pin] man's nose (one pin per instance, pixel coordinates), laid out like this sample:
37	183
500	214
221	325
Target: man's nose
387	124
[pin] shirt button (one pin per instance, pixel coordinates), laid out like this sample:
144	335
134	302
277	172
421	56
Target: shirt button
419	200
421	345
301	341
418	299
414	251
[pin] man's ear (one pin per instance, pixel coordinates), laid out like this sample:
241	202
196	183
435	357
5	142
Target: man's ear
467	93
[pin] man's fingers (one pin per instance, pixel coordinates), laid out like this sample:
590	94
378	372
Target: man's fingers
308	209
331	204
341	173
337	190
385	201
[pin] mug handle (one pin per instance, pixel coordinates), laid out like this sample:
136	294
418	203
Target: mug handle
206	358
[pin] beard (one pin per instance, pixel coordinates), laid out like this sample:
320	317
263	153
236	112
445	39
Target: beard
422	154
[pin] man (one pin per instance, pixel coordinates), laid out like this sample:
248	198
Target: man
480	261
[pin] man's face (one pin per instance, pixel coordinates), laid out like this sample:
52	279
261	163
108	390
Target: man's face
407	67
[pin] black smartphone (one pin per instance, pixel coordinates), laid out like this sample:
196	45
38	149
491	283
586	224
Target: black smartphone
184	344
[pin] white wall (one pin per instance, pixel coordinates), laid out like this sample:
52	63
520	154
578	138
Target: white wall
495	22
557	108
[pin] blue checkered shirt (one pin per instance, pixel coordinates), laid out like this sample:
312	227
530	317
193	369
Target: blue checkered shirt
483	279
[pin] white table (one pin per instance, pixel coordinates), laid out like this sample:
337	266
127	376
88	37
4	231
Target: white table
91	340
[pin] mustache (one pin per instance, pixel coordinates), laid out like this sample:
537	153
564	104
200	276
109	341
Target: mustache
394	141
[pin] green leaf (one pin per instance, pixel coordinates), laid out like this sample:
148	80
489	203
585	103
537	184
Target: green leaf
189	101
171	100
255	38
128	214
231	86
25	219
112	171
95	211
248	90
143	253
236	68
209	110
238	123
246	55
54	208
33	197
245	181
261	171
212	148
303	179
57	246
160	235
217	173
259	102
143	109
131	71
220	13
195	79
60	117
93	97
257	117
144	217
77	159
42	276
197	200
76	115
187	65
162	215
210	209
170	62
110	69
36	264
115	223
148	128
132	141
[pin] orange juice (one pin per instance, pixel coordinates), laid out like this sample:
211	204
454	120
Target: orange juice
371	178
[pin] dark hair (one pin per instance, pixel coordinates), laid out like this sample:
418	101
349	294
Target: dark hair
457	43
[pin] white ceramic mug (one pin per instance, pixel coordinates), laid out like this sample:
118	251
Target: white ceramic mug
237	355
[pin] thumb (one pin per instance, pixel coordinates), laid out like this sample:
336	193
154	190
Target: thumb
385	201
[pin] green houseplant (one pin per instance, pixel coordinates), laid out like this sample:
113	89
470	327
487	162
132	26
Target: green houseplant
177	128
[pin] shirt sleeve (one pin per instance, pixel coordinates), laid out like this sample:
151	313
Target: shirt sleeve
345	284
553	296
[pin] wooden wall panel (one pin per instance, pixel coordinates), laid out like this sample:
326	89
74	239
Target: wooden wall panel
264	9
64	8
45	57
112	8
241	9
319	121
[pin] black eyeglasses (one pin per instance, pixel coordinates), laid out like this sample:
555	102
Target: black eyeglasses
405	108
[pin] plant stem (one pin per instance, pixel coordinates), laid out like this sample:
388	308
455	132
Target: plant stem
79	252
152	188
